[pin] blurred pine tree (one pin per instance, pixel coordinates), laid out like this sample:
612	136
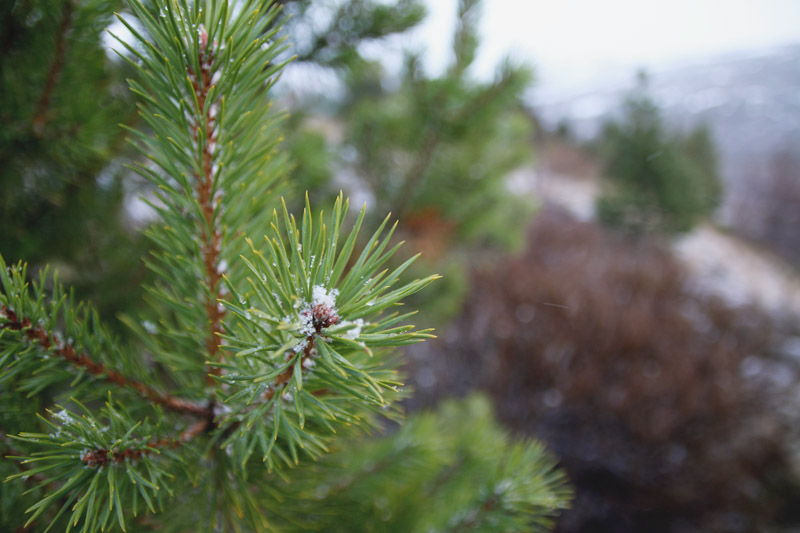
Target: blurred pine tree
253	358
657	181
61	178
436	150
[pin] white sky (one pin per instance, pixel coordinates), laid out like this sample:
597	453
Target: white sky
569	41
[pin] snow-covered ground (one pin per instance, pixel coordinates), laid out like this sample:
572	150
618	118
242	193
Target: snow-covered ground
738	271
730	267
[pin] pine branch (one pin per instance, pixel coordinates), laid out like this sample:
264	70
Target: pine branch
319	317
452	470
201	84
101	457
440	127
31	318
54	73
76	454
336	43
309	337
51	343
204	72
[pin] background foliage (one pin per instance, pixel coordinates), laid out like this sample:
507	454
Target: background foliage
61	149
659	181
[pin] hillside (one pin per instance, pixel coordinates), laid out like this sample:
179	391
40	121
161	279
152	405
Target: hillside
738	270
750	102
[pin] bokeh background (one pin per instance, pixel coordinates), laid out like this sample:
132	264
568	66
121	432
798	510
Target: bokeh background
611	189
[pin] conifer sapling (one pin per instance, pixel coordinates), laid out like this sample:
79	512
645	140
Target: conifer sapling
266	335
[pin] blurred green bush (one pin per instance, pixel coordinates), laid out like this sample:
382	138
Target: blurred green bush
657	181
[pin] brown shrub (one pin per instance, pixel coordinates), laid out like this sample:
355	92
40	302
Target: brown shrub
593	343
770	211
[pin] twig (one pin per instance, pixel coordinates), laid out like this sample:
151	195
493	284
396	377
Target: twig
416	174
204	187
82	360
101	456
319	317
40	116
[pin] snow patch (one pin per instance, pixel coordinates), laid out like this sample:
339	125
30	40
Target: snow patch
320	313
321	296
64	416
355	332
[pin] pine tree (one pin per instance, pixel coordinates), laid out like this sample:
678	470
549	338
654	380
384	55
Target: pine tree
332	31
332	37
436	150
657	181
265	337
61	178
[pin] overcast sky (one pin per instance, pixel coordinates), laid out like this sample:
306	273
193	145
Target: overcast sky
571	41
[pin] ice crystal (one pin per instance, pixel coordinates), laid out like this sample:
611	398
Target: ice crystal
300	346
64	416
355	332
320	313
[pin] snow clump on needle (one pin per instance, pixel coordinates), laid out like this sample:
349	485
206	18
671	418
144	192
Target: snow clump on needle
321	312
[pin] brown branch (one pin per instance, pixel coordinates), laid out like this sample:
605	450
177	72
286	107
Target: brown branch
210	249
102	456
53	75
82	360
